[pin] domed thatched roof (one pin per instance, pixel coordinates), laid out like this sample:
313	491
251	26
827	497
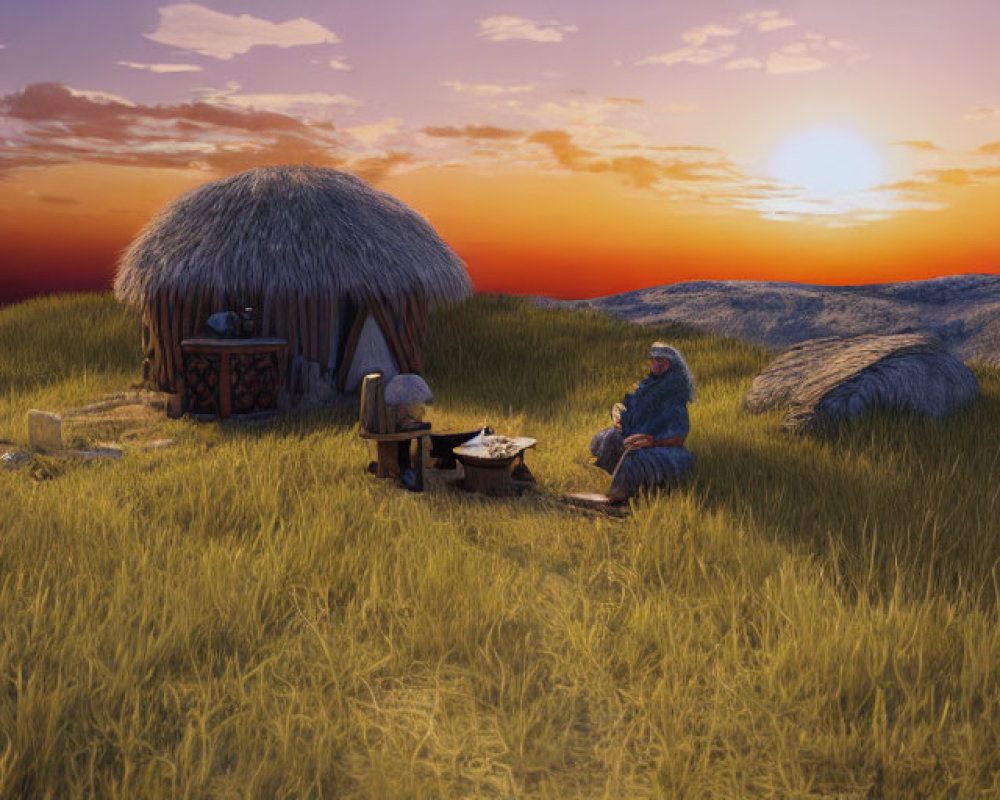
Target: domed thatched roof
290	228
825	380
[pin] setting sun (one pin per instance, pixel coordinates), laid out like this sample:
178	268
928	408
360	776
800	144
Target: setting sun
828	160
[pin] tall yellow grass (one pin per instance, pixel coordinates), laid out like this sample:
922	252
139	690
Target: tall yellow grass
250	615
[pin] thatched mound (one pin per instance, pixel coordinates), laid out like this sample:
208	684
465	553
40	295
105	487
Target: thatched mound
826	380
304	229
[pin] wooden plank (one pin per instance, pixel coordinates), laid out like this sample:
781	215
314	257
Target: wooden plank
368	413
146	333
200	310
323	331
350	346
304	338
596	502
279	314
165	343
150	313
312	310
154	312
294	342
266	312
413	338
187	314
176	306
422	310
385	322
405	340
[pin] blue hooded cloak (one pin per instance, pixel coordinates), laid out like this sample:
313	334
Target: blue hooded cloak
657	407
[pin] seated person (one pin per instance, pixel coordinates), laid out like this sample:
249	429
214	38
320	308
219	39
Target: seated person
645	446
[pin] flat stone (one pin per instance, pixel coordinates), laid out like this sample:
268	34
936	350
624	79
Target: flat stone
14	459
45	431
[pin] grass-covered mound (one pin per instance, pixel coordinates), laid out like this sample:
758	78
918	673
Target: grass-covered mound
249	614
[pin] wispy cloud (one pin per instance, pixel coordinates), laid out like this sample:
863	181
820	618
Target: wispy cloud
918	144
698	37
472	132
983	112
503	28
958	177
836	49
699	50
815	51
99	97
792	58
744	63
767	20
305	105
573	112
489	89
340	64
160	67
690	55
642	171
211	33
991	149
371	133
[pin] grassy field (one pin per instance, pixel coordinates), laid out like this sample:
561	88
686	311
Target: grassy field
247	614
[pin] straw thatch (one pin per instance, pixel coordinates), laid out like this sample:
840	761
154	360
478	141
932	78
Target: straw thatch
290	229
314	251
825	380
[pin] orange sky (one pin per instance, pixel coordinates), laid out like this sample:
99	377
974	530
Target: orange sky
577	149
559	235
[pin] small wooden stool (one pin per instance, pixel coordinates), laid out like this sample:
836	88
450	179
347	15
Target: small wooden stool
394	453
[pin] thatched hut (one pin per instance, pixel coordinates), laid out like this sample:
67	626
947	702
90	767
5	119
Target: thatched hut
344	272
825	380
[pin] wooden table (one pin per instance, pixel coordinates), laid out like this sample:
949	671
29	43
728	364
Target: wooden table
394	452
226	377
486	473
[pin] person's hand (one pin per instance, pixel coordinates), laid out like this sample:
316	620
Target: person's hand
616	414
638	440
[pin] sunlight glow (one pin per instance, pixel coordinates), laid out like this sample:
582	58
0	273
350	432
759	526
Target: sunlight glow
828	160
832	175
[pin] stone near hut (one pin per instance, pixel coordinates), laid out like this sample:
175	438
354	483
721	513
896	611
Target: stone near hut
14	459
823	381
408	389
44	431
